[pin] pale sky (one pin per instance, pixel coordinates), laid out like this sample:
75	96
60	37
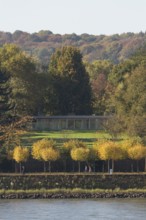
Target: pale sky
73	16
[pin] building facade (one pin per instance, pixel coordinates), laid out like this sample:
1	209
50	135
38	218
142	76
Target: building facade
70	122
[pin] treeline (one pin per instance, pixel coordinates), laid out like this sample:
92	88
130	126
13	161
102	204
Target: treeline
47	151
70	86
93	47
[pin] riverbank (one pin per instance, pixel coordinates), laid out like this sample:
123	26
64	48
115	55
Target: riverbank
72	194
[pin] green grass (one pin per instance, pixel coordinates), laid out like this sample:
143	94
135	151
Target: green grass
64	135
75	190
69	134
61	136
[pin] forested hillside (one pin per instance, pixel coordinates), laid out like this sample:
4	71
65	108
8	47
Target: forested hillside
42	44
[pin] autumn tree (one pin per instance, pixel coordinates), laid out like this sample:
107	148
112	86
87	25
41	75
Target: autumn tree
20	154
44	150
50	154
99	71
79	153
136	152
66	149
110	150
70	83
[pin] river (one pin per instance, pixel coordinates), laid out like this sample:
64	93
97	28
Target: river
73	209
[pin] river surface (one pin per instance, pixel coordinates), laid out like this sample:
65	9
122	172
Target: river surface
73	209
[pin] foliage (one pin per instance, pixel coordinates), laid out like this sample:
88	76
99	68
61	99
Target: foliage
23	78
71	87
49	154
136	152
114	47
38	146
13	131
130	102
45	150
110	150
98	72
5	92
20	154
80	154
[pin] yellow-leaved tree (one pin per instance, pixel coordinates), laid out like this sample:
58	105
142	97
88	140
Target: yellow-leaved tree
20	154
144	154
50	154
80	153
136	152
45	150
110	150
129	144
65	151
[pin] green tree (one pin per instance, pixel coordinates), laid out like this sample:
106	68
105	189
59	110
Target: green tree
130	102
71	88
23	78
5	93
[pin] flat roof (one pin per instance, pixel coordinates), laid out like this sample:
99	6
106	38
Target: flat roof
72	117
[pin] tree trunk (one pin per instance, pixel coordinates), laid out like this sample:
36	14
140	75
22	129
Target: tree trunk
113	165
131	167
44	166
103	166
137	166
64	162
20	167
94	166
79	165
145	164
49	166
108	165
73	166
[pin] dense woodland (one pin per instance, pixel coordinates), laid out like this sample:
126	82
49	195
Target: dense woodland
71	80
93	47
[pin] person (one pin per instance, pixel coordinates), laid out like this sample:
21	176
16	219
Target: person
23	169
86	168
90	169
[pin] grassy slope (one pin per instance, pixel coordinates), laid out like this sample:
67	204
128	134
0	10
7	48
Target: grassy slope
64	135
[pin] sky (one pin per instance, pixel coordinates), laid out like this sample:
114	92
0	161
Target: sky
73	16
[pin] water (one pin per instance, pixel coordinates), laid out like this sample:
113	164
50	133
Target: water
133	209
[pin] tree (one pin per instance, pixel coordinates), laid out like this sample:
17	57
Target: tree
71	88
99	71
23	79
80	153
136	153
45	150
20	154
5	105
66	149
110	151
50	154
129	102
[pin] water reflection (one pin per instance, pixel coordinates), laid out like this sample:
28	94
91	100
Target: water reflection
133	209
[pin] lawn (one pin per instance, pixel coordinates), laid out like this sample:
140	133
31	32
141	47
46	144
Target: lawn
88	136
64	135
